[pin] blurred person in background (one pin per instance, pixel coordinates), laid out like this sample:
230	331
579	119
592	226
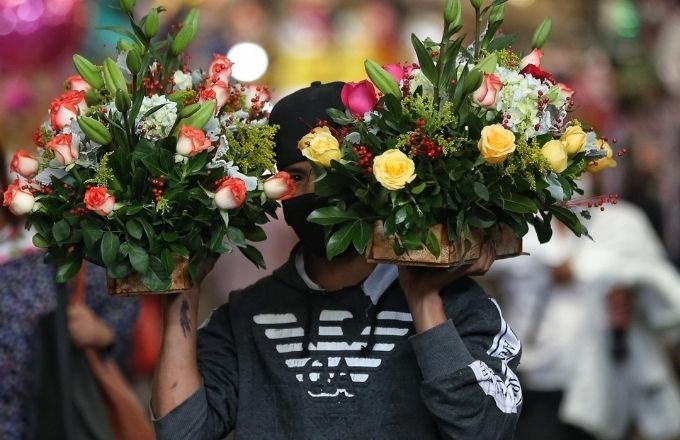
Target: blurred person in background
27	293
592	316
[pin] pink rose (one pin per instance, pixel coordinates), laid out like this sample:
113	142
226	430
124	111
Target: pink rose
359	98
280	186
486	94
19	201
191	141
533	58
77	84
230	194
99	200
220	68
566	91
65	148
67	108
398	71
24	164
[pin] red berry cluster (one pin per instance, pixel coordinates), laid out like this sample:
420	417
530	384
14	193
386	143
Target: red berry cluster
593	202
421	143
157	185
365	158
152	81
257	102
37	191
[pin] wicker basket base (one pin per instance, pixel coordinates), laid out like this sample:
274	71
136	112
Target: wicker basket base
507	243
180	281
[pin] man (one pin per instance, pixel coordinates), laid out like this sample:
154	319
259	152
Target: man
338	349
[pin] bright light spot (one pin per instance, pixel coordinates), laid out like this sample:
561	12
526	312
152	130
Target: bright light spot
522	3
250	61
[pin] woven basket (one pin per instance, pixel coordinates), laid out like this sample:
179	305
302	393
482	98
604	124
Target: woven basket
381	248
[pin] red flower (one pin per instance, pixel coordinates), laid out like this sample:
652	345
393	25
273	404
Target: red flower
280	186
537	73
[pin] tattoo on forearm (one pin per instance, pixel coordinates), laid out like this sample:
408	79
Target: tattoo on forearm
184	318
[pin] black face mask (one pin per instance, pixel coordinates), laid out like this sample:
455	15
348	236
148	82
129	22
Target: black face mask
311	235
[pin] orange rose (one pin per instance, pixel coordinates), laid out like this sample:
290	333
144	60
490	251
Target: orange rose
230	194
66	108
99	200
280	186
65	148
19	201
191	141
24	164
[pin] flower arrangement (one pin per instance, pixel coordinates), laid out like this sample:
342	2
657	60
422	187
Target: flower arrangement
470	138
144	162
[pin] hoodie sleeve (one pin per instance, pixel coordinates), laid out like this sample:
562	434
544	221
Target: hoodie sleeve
468	362
209	413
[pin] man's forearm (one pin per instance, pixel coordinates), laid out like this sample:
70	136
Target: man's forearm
177	375
427	311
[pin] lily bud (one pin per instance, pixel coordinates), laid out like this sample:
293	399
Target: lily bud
186	34
150	26
88	71
542	33
122	101
452	12
113	77
134	61
476	3
128	6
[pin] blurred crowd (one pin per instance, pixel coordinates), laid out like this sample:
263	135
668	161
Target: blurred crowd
598	319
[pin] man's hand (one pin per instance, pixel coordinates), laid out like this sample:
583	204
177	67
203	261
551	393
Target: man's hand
422	286
87	329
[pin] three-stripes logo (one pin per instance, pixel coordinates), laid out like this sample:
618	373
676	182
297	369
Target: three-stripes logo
334	366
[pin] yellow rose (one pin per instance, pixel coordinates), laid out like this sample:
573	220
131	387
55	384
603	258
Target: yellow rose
606	162
393	169
555	152
496	143
574	139
320	146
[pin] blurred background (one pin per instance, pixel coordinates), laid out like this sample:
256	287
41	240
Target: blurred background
622	57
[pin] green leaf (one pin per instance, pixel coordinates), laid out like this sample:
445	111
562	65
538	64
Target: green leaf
339	116
419	188
253	254
134	228
67	269
519	204
179	249
424	59
148	229
481	190
432	243
139	259
401	215
109	248
61	230
361	234
236	236
501	42
40	242
154	279
120	269
255	233
340	240
568	218
331	215
196	163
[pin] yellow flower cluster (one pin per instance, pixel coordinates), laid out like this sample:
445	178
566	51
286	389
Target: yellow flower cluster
320	146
